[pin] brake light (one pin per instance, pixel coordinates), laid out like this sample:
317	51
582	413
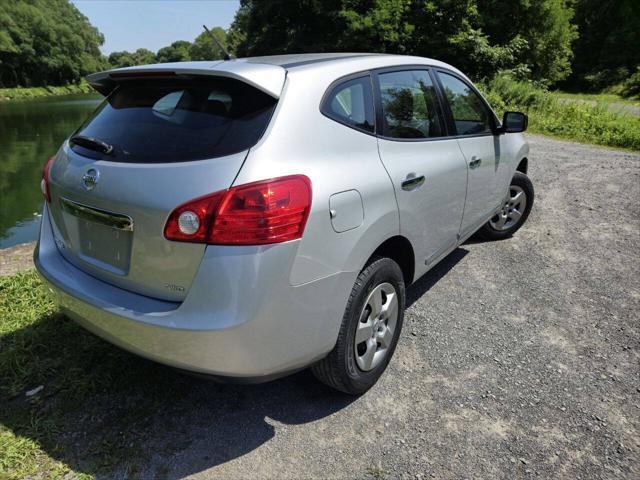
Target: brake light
269	211
135	74
44	183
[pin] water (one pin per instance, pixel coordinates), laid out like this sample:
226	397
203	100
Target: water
30	132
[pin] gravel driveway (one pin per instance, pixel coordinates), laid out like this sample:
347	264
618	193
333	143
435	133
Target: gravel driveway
518	359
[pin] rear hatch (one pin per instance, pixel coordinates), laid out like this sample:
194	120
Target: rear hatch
153	144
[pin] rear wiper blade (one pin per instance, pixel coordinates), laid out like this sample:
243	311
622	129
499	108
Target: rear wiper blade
92	143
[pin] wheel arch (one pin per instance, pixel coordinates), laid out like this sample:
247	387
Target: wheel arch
523	166
400	250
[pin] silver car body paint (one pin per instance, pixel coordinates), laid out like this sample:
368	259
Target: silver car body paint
257	311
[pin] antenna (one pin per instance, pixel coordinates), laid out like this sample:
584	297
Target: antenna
227	55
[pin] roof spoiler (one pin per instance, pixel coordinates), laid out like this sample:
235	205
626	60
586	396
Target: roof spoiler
265	77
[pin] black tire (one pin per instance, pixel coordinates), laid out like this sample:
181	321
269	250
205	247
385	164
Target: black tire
488	232
340	369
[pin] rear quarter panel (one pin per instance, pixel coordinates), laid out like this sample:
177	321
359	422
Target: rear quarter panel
301	140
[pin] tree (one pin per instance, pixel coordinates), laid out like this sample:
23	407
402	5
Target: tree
608	48
529	37
281	26
121	59
544	30
142	56
176	52
204	47
46	42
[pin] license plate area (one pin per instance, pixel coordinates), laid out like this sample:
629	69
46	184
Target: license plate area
98	237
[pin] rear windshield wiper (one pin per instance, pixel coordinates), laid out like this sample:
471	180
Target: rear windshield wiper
92	144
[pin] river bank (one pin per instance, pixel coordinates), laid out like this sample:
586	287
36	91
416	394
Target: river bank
26	93
16	259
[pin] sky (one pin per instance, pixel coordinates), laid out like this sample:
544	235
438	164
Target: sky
153	24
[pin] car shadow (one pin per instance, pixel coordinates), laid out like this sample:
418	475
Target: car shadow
105	412
433	276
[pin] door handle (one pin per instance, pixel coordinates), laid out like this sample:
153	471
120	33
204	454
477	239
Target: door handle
412	182
475	162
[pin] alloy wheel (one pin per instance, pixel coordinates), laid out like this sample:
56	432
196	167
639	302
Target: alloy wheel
512	210
376	328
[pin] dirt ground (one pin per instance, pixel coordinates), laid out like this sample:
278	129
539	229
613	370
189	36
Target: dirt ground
16	259
518	359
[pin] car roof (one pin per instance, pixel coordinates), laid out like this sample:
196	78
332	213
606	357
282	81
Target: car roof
300	59
358	60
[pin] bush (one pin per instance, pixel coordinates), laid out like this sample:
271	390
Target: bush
550	115
631	87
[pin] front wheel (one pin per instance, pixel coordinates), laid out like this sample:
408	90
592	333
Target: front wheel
369	332
514	212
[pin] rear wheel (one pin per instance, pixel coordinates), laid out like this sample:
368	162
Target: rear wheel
514	212
369	332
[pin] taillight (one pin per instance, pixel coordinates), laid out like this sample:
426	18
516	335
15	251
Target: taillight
191	221
259	213
44	183
263	212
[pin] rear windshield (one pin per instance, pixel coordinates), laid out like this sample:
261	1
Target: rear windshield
177	120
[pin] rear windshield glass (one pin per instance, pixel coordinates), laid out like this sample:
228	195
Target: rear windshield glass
178	120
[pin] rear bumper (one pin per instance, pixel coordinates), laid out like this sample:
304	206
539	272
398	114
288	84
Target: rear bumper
241	317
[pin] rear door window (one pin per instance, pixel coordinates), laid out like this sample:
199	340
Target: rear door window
351	103
178	120
470	114
409	105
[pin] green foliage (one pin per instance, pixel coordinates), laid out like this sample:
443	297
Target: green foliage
176	52
530	38
142	56
280	26
204	48
121	59
543	29
631	86
607	51
551	115
46	42
523	94
588	124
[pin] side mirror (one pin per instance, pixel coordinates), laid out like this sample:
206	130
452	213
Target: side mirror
514	122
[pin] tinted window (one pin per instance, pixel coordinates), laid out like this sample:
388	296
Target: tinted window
469	111
351	103
409	105
178	120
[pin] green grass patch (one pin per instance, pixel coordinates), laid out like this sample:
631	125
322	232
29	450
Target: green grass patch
93	416
577	121
606	98
26	93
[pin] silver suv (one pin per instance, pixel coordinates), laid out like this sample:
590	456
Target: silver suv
249	218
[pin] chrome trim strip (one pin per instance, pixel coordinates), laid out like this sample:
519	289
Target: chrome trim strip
103	217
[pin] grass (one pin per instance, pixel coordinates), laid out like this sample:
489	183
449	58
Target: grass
577	121
597	97
92	416
25	93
